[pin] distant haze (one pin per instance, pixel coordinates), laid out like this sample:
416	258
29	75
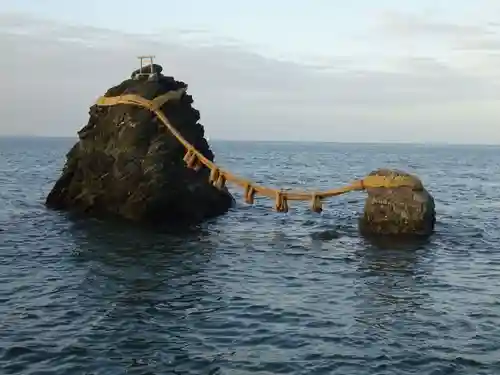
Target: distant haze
364	72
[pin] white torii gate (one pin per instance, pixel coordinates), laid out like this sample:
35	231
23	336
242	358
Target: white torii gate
142	58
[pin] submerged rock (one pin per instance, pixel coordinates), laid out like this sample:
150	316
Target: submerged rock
126	164
407	210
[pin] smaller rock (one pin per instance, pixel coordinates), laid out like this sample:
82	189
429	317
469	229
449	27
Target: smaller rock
408	210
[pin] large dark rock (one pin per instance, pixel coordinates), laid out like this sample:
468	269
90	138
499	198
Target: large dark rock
405	211
127	165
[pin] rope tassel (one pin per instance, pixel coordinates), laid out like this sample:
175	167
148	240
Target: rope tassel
192	161
187	156
316	204
249	194
214	176
281	204
221	182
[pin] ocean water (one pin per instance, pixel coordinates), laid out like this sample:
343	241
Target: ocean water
255	292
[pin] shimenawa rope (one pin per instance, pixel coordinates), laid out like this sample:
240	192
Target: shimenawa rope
218	177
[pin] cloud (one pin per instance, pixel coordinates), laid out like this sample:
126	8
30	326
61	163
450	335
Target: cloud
405	24
51	74
472	50
452	36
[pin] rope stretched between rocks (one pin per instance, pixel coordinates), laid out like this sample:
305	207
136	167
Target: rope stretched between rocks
218	177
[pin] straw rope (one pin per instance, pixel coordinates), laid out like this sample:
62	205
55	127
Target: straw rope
218	176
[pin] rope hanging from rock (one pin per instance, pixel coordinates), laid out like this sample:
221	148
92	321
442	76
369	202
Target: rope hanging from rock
316	204
218	177
192	161
249	194
221	182
281	204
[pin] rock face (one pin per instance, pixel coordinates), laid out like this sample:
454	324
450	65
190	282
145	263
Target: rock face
398	211
126	164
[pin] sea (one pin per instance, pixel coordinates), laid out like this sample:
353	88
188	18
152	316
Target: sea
255	291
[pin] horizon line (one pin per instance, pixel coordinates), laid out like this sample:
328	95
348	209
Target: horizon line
419	143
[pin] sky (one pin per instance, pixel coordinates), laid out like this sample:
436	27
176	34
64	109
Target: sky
318	70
